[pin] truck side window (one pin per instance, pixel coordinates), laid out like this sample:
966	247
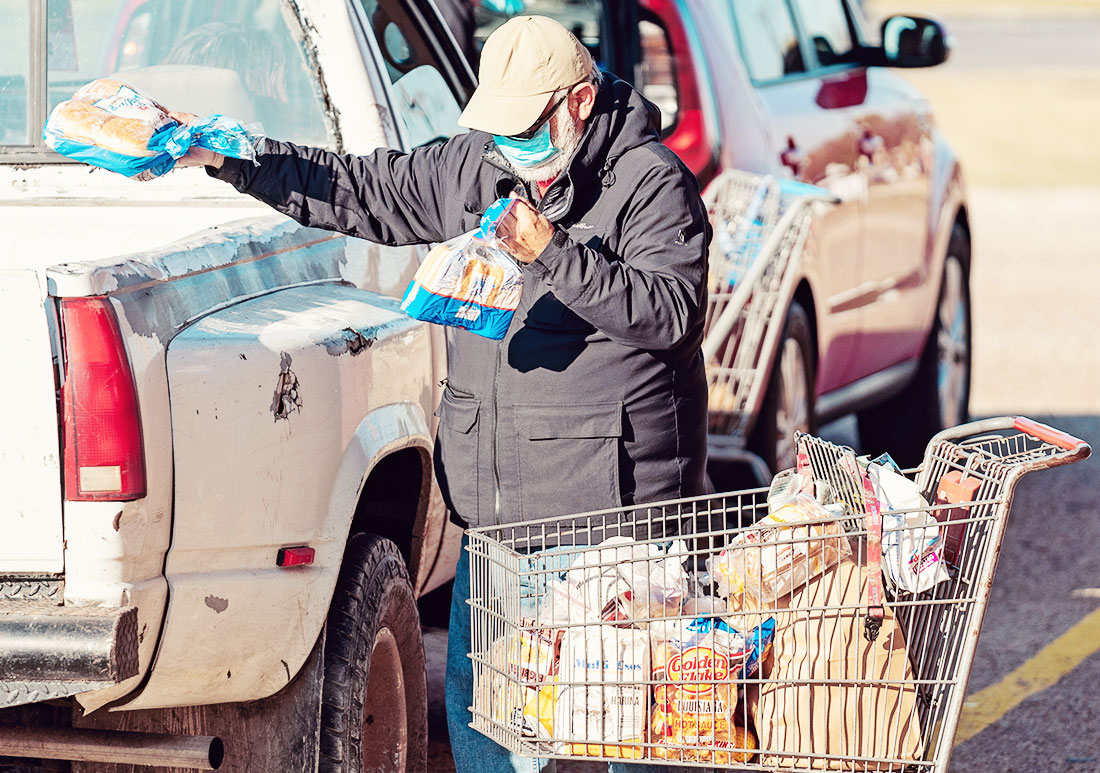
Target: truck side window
769	42
584	18
425	104
825	25
15	72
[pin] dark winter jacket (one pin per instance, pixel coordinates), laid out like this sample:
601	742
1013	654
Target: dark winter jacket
596	397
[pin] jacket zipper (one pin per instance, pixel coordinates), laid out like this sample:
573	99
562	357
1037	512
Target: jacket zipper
487	157
496	440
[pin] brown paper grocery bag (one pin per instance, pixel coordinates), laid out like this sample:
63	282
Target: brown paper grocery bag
855	719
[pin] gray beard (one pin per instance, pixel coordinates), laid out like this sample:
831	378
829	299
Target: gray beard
568	141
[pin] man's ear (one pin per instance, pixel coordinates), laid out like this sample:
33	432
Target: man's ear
584	97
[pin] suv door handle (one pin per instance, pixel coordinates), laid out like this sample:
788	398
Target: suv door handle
792	157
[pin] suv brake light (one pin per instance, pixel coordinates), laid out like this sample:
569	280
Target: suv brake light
104	455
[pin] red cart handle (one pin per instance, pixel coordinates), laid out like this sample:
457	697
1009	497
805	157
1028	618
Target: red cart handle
1055	437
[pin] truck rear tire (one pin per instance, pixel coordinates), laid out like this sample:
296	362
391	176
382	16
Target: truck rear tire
374	702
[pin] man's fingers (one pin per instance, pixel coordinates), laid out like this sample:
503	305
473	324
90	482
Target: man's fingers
523	214
198	157
506	226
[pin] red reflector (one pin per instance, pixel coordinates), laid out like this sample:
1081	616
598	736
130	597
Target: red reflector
300	556
104	454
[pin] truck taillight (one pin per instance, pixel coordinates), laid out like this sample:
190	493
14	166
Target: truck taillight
104	458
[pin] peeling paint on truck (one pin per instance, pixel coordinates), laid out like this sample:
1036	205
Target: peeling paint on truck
286	400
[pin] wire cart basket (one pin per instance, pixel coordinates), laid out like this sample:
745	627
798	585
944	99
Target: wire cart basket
734	631
760	226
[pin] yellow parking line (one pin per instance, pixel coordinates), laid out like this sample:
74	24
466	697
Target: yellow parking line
1046	667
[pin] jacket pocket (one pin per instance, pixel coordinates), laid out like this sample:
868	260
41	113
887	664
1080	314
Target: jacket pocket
568	457
456	459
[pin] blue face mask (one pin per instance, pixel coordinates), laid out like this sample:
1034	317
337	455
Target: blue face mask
527	153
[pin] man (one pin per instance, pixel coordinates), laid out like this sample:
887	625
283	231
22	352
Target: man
596	397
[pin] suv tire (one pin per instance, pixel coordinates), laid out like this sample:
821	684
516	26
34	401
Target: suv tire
374	707
939	394
789	402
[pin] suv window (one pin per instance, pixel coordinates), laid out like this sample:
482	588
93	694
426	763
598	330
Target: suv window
427	107
826	26
769	42
244	59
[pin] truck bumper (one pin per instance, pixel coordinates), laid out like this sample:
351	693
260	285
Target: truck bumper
53	652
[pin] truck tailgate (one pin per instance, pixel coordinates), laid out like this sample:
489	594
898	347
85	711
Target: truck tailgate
30	461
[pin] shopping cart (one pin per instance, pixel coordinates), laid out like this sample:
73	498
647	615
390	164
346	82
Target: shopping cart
760	226
582	648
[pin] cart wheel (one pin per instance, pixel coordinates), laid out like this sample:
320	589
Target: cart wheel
374	702
789	402
939	394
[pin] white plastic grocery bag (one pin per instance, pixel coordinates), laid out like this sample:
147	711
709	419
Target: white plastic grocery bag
912	546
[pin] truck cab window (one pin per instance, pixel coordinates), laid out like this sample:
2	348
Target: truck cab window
426	106
584	18
769	42
15	72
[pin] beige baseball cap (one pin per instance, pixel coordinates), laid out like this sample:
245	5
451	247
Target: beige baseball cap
524	61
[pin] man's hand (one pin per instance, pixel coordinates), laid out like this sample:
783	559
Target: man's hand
196	156
525	232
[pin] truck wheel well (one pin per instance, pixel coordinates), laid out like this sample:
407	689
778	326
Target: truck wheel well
392	498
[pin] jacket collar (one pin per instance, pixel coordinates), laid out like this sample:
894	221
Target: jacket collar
621	119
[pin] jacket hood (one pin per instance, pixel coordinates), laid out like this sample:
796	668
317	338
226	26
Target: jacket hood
622	119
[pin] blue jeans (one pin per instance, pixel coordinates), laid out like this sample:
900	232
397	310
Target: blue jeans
473	751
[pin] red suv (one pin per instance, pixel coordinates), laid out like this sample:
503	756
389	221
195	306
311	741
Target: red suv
879	322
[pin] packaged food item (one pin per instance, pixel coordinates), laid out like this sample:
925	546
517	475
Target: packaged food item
788	485
955	488
603	700
523	697
796	542
696	671
108	124
912	548
675	733
630	582
471	281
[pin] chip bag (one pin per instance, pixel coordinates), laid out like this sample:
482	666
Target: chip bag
522	693
670	730
469	282
110	125
696	671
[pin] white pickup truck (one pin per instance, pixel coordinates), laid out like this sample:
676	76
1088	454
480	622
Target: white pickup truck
216	454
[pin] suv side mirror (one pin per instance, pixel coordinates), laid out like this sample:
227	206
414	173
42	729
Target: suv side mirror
912	41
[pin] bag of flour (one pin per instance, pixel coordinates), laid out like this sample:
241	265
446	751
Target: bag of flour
603	699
